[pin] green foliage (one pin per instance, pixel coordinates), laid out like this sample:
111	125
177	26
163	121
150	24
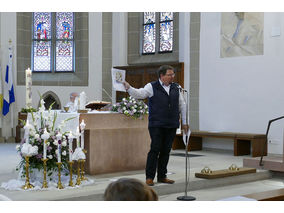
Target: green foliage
27	110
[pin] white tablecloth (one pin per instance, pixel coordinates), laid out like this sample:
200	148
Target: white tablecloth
71	125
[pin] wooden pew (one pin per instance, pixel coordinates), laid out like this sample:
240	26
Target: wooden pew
272	195
244	143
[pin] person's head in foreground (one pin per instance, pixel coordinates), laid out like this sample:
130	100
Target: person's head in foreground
129	189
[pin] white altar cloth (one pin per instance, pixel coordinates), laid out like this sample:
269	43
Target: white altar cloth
61	116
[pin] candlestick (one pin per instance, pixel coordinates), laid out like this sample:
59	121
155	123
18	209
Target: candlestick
83	167
44	184
28	88
78	137
59	153
82	100
70	172
70	141
59	184
45	137
27	184
44	149
82	139
78	180
27	131
82	126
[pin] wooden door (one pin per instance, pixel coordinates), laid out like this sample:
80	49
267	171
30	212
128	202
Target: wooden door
139	75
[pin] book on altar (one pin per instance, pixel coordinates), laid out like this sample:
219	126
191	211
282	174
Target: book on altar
97	105
118	77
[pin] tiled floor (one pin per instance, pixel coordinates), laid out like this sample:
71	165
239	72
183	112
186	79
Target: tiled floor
9	159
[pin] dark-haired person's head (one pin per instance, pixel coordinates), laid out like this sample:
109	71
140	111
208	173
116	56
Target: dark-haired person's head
166	74
129	189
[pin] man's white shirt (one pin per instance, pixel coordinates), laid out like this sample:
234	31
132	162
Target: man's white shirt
147	92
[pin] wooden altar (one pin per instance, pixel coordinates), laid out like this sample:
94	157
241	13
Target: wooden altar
115	142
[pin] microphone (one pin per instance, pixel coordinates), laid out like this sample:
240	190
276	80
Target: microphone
180	88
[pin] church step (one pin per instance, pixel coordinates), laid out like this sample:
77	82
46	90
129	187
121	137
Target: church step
196	184
199	184
271	195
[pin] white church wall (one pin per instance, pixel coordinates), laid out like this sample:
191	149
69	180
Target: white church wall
8	31
184	46
241	94
93	91
119	42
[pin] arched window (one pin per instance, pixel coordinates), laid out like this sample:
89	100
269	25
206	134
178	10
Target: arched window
53	42
149	35
165	32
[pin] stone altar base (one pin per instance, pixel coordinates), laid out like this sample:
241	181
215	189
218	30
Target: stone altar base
115	143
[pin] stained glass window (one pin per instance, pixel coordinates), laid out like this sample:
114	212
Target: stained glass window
166	31
149	35
42	42
64	43
53	42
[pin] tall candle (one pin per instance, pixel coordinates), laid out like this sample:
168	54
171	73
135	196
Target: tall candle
28	88
82	126
45	137
70	141
44	149
82	99
27	131
59	153
82	139
70	148
78	137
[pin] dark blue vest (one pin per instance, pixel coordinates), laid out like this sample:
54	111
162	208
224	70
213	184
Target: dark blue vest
164	108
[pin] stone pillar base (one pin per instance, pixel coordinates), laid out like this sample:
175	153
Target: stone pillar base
2	139
11	140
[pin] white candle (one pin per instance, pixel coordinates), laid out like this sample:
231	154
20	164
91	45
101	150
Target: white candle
27	131
44	149
59	153
45	137
82	99
70	141
28	88
78	137
82	126
82	139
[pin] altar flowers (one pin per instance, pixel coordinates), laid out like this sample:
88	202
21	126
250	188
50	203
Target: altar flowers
43	141
131	107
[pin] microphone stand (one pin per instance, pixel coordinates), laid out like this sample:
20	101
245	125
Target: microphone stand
186	197
265	144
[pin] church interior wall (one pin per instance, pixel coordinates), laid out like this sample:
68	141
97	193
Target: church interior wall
93	90
193	81
119	43
106	53
241	94
135	33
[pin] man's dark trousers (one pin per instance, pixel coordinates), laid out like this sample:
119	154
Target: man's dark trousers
158	156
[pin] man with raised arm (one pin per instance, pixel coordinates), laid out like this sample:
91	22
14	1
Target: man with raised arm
165	105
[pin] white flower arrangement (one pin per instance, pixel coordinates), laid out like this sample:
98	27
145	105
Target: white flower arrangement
42	128
128	106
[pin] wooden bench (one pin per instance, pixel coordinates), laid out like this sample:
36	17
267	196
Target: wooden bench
272	195
244	143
